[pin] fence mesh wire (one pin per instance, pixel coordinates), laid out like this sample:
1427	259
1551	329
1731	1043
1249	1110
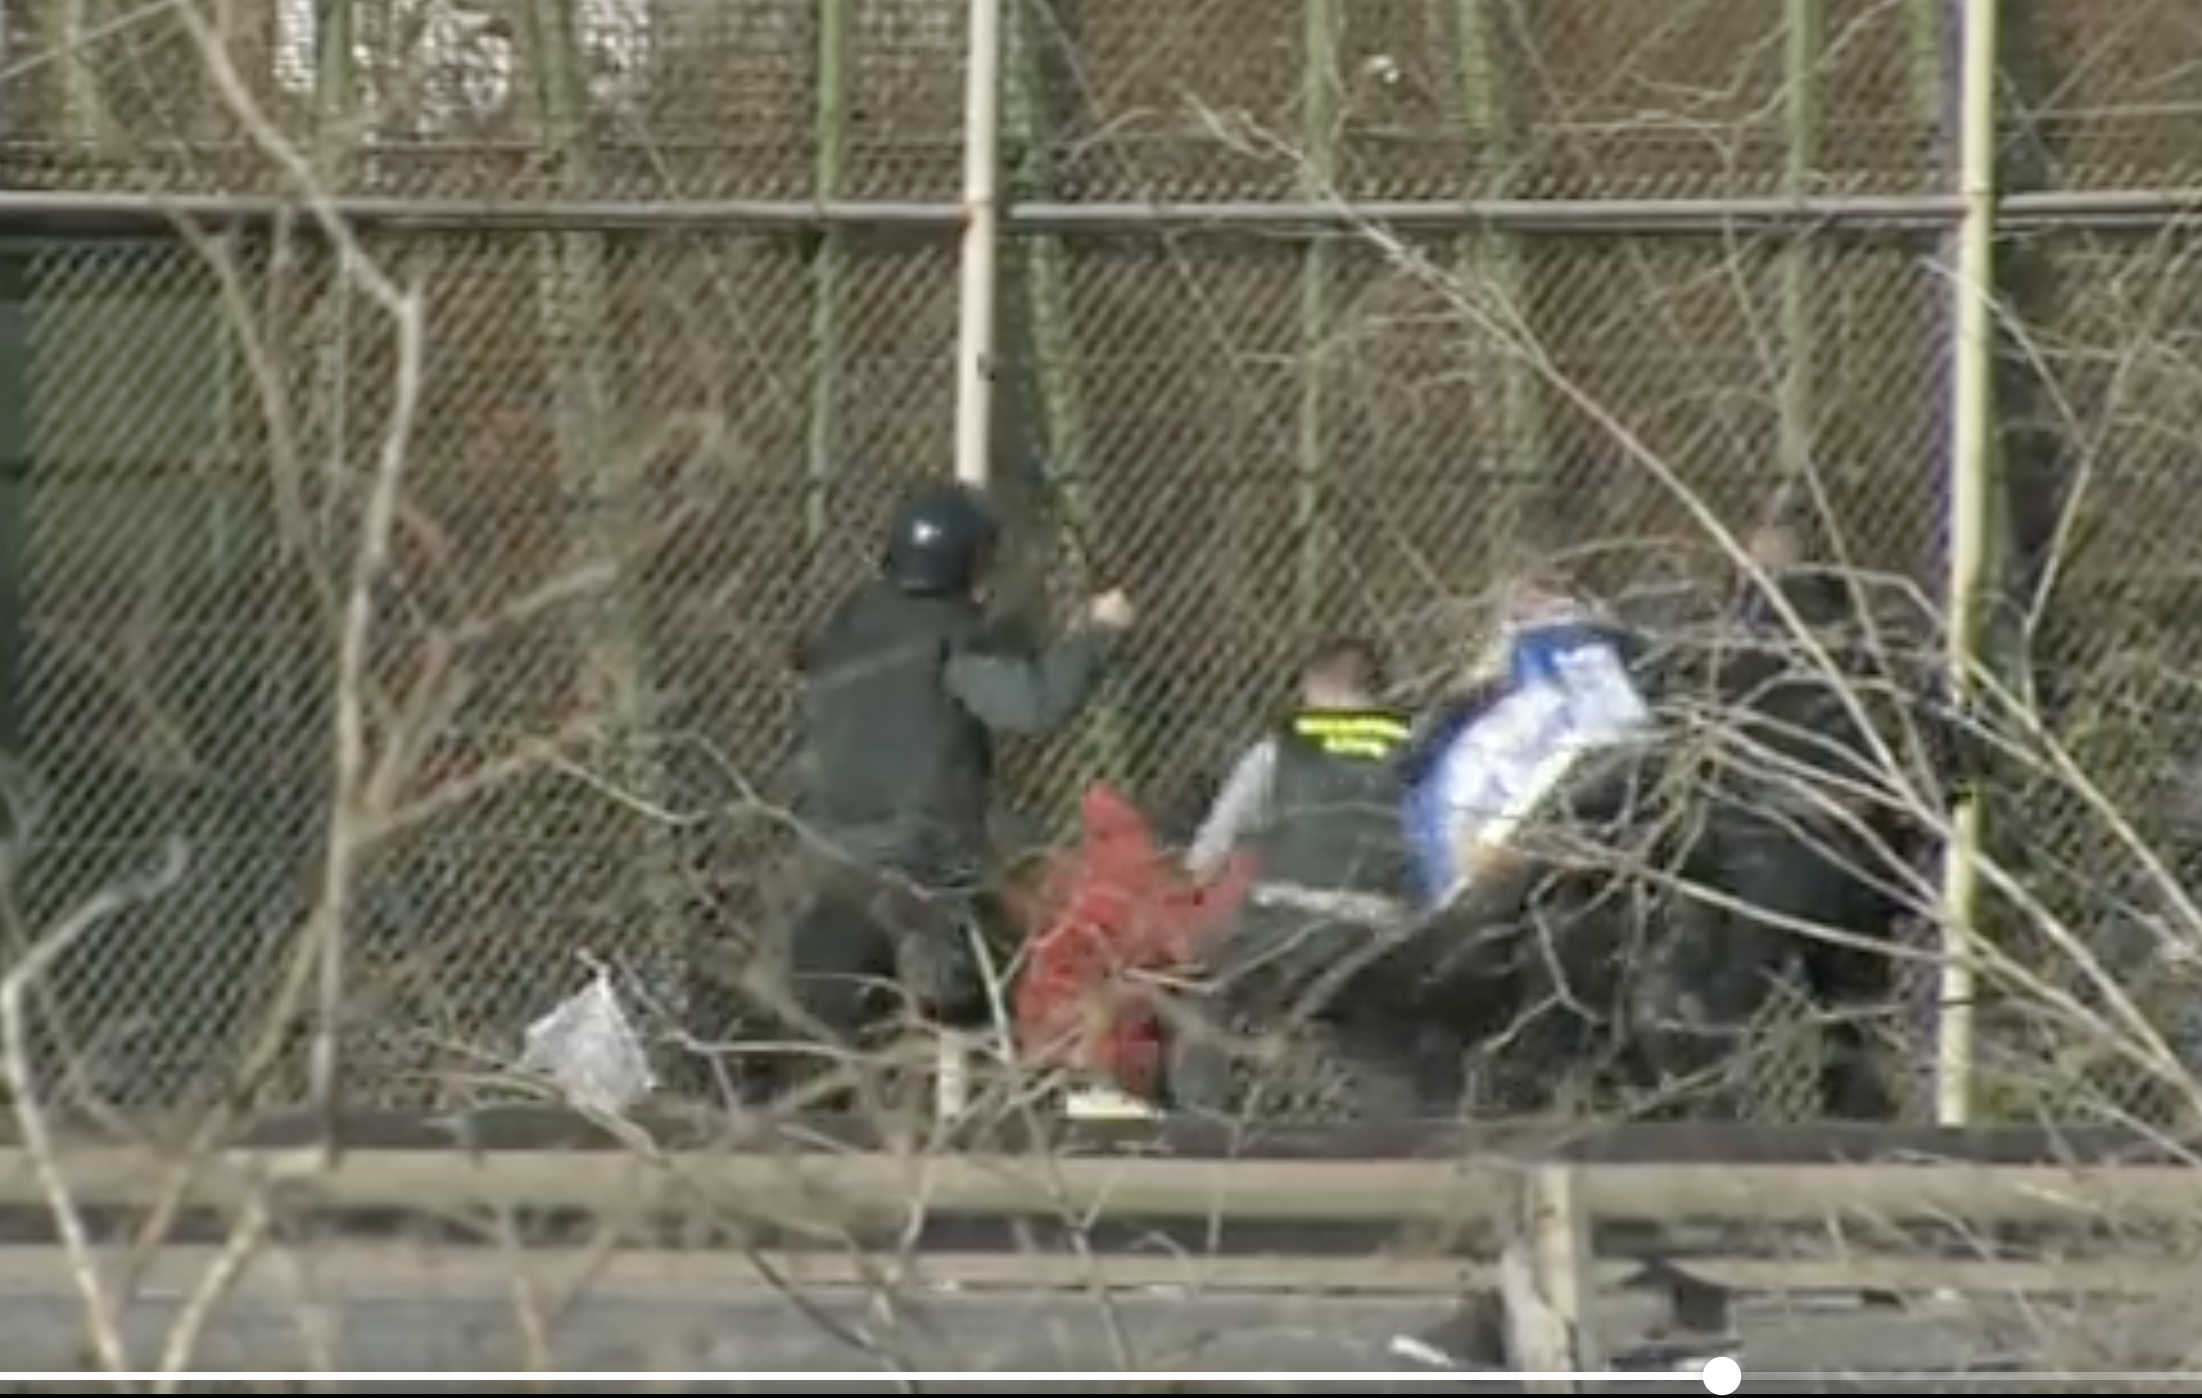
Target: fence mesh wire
642	462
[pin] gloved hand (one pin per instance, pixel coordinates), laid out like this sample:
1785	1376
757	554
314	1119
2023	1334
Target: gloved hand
1112	610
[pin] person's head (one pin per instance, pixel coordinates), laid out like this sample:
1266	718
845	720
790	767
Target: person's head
1788	530
1778	545
1535	591
940	541
1344	672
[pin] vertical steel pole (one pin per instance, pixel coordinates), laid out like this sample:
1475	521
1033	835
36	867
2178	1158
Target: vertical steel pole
1494	261
982	177
829	269
982	170
1319	118
1930	35
1972	514
1804	51
1028	129
606	506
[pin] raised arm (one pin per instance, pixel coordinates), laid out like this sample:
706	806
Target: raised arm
1029	694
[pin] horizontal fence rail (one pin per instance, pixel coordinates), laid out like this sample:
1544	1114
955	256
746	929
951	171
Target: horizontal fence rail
1431	1173
1274	1272
2031	211
853	1192
534	1130
1540	1242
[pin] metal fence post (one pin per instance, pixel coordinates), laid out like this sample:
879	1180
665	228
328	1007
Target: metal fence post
1494	261
830	268
1546	1279
1319	121
975	332
603	481
1057	374
1972	514
1933	82
16	466
982	165
1804	54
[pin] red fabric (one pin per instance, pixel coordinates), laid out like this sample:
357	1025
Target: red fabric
1115	903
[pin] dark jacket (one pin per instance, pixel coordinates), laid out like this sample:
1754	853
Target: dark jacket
1335	794
1821	597
1792	703
902	698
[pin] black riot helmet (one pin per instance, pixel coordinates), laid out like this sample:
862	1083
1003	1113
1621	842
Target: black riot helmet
940	540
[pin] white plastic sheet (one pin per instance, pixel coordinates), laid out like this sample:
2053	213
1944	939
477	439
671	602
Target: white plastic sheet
589	1047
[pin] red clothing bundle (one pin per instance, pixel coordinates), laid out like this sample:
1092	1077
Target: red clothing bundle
1115	903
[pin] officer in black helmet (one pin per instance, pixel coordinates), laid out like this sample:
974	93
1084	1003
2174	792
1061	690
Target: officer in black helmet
903	694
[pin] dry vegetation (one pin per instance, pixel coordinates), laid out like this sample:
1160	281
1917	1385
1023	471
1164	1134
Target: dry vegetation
724	1239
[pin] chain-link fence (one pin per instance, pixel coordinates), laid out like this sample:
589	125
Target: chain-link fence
655	435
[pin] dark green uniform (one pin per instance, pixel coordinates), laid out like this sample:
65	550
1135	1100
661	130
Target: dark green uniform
902	698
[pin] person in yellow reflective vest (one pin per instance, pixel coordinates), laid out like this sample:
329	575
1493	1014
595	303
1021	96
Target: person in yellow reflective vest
1317	801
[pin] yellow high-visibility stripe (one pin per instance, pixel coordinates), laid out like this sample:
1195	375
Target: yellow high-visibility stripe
1371	736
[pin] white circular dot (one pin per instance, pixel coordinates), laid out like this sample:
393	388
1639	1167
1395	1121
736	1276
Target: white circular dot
1722	1375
